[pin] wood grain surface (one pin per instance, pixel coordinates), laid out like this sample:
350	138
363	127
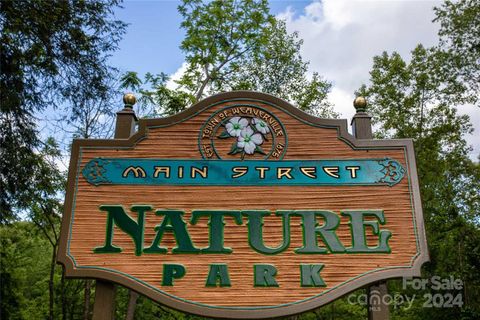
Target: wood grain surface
180	141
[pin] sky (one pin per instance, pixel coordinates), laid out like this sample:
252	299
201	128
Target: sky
341	37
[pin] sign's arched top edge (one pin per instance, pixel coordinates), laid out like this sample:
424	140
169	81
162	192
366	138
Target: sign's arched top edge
244	96
335	124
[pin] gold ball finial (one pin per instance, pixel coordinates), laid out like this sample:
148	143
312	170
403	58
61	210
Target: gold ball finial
129	100
360	104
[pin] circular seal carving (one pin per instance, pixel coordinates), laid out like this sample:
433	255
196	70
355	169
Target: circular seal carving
246	132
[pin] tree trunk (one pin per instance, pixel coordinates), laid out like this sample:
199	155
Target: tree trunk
199	94
50	281
72	311
86	305
64	297
132	302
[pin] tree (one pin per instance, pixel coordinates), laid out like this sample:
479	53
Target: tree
218	35
156	99
46	205
459	30
89	117
24	267
48	48
417	100
277	68
25	256
234	45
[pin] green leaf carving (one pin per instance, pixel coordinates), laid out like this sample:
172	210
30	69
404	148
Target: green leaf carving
234	149
224	135
260	150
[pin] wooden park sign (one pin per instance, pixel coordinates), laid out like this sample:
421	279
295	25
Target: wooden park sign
242	207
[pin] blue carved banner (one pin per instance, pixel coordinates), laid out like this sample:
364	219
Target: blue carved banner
243	173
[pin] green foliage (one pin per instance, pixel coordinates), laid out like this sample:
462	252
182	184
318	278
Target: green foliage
146	309
277	68
459	30
340	309
218	35
22	249
87	116
25	261
52	52
234	45
36	288
418	100
25	256
157	94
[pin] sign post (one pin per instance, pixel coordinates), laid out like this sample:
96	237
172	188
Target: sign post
241	207
362	129
104	305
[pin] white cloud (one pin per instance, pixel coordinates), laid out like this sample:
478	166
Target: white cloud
171	84
341	38
343	101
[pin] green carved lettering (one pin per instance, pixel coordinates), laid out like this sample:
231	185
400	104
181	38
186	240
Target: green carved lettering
264	275
255	230
310	275
116	215
216	228
172	222
170	272
358	225
327	232
218	272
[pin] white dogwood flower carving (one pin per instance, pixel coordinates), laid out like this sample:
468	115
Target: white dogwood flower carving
248	140
260	125
235	125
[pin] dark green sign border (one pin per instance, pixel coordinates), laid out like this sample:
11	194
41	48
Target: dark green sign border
72	270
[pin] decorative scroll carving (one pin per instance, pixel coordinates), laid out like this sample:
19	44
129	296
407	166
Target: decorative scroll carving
394	172
95	172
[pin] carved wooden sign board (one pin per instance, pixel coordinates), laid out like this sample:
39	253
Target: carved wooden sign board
242	207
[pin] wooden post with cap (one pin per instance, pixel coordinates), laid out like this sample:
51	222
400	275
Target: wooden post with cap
362	129
104	305
126	118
